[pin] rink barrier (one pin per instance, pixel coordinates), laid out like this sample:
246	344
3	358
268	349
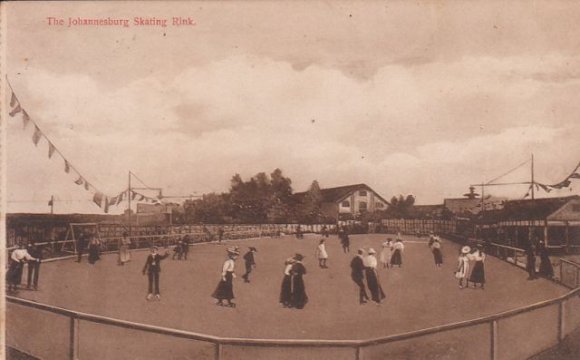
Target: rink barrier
560	312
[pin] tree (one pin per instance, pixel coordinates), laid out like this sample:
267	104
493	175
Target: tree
400	206
310	211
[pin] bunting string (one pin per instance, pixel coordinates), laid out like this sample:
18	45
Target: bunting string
99	198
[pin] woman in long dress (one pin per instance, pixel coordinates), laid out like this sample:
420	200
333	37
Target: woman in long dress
546	268
299	297
124	254
225	288
397	257
286	288
478	273
370	263
436	250
462	265
94	250
385	255
321	254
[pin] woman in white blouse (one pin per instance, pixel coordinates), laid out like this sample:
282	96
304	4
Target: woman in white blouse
321	254
462	266
225	288
370	263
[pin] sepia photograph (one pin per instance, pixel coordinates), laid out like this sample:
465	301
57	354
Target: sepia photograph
290	180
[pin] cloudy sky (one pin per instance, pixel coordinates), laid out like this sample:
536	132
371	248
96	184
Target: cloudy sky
418	98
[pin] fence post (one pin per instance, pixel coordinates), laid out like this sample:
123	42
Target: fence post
218	351
358	353
74	338
561	320
494	344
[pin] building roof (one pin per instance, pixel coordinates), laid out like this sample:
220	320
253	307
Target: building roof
472	205
337	194
537	209
426	211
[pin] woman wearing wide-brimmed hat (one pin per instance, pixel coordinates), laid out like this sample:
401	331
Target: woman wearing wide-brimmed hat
370	263
462	265
286	288
478	273
299	297
225	288
397	257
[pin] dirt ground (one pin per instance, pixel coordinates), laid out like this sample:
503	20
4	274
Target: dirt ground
419	295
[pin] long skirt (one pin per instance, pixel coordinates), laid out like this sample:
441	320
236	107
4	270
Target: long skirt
124	254
375	288
93	253
225	289
299	297
546	268
397	258
14	273
437	256
286	291
478	273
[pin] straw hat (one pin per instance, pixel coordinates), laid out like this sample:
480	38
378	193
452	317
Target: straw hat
372	251
233	251
465	250
298	257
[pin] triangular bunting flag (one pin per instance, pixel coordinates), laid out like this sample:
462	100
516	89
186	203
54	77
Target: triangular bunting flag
15	111
113	201
98	198
120	198
562	185
51	149
36	136
133	195
66	167
544	187
106	204
25	119
575	176
87	185
141	197
79	181
13	100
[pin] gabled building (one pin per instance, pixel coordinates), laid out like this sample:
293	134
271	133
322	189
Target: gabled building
348	202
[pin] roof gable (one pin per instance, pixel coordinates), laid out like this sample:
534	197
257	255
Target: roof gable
339	193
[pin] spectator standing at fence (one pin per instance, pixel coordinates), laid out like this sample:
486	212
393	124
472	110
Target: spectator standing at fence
478	273
94	250
124	253
397	257
286	288
462	266
249	262
436	250
177	250
357	274
299	297
321	254
152	268
81	244
324	231
34	266
370	263
220	233
225	288
17	260
546	269
531	261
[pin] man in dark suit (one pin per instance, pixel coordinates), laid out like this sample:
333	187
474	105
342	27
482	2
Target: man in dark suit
34	266
81	245
153	268
250	263
357	274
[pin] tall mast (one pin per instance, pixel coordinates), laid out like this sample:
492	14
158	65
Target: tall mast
129	204
533	183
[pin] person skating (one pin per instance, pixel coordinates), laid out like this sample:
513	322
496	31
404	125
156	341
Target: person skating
152	268
370	263
435	245
124	254
345	241
462	266
478	273
397	257
94	250
17	260
357	274
225	288
386	253
531	262
286	288
299	297
321	254
546	268
250	263
185	243
34	266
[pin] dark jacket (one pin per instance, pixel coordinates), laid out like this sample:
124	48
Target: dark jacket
249	258
153	263
357	267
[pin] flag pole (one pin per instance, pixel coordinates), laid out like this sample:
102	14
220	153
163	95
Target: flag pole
51	204
129	205
533	183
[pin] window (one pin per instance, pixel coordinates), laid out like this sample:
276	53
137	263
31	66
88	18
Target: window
345	204
362	193
362	205
379	205
576	207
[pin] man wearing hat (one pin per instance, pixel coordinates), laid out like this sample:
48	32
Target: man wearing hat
357	274
153	268
249	262
225	288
